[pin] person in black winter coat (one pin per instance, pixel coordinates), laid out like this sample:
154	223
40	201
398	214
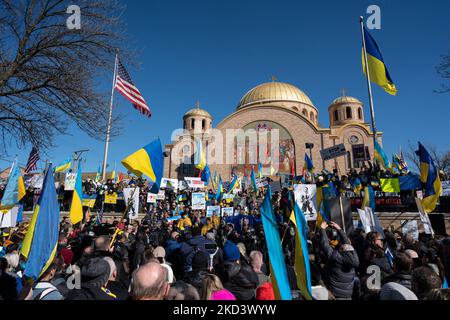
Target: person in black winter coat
374	254
237	276
94	279
199	270
340	263
402	271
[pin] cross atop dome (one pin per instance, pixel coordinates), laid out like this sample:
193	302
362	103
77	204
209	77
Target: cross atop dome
273	78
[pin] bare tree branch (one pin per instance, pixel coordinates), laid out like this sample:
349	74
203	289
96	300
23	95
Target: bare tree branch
50	75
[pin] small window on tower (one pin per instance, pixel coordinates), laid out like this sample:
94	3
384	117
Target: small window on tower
192	123
360	113
311	116
336	115
348	112
305	113
203	124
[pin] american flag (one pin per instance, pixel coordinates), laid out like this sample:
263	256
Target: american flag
32	161
126	87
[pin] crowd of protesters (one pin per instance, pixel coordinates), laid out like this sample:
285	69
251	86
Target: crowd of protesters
195	257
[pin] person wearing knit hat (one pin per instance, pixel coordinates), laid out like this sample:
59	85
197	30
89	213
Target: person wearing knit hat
67	256
231	251
395	291
95	273
265	292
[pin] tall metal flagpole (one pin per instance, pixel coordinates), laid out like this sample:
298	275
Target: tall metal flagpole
108	130
369	88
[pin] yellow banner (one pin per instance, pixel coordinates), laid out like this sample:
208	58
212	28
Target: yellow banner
88	203
390	185
111	198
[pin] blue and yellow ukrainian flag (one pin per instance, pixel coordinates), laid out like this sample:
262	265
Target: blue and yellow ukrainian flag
381	157
205	175
378	71
182	197
199	157
234	184
219	192
64	166
255	186
429	177
148	161
113	174
76	208
41	239
278	270
215	180
357	186
301	264
260	170
98	176
369	198
308	165
15	187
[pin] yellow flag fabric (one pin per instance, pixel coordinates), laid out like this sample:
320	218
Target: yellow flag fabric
111	198
21	189
26	244
390	185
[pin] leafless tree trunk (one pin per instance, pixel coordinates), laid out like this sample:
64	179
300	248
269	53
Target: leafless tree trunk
52	76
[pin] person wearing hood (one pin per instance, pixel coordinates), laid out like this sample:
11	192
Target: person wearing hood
95	274
340	262
237	276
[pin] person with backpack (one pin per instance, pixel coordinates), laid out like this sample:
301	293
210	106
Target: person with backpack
44	289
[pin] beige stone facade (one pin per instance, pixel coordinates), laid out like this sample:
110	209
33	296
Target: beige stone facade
287	107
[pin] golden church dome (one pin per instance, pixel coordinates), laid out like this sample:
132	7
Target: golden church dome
197	112
345	99
274	92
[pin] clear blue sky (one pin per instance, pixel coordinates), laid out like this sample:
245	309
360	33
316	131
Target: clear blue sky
215	51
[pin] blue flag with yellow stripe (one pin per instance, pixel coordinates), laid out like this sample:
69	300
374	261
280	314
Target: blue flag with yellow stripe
378	72
429	176
278	275
41	240
148	161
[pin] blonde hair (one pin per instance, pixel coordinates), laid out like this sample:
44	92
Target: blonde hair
13	259
210	284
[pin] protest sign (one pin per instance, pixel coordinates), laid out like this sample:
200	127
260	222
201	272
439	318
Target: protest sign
69	182
210	210
262	182
88	200
374	221
227	211
305	197
132	196
409	227
333	152
111	198
161	195
151	197
198	201
169	183
424	218
194	183
8	217
228	197
365	220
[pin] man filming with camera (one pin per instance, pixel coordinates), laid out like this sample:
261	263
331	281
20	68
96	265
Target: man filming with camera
340	260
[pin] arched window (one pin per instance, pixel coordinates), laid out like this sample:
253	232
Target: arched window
192	123
348	113
184	124
203	124
360	113
311	116
305	113
336	115
349	160
295	108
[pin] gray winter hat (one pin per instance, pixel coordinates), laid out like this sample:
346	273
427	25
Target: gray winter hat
95	272
395	291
